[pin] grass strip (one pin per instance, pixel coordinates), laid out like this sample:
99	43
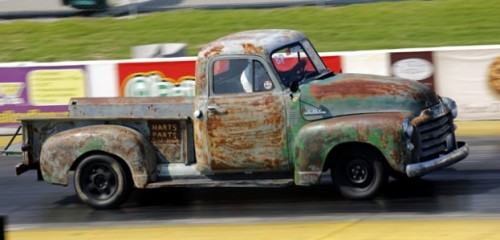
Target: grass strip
386	25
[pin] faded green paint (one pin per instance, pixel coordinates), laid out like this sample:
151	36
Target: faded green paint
346	94
92	144
317	139
353	108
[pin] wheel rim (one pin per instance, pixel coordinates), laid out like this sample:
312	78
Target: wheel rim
359	173
99	181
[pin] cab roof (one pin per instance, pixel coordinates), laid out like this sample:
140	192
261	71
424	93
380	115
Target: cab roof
257	42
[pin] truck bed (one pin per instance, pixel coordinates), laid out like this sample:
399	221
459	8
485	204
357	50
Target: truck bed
164	121
132	107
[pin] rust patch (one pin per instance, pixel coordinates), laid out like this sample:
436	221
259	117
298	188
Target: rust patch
171	152
363	132
381	130
395	156
62	149
249	134
213	51
424	116
360	88
219	165
201	83
148	102
200	146
249	48
270	163
313	147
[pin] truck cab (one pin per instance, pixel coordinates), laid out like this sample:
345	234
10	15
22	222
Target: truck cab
266	111
243	99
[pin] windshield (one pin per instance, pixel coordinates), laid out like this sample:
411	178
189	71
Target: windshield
297	62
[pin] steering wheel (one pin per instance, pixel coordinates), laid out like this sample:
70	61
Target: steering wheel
301	69
298	72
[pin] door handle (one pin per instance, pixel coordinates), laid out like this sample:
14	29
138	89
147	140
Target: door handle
215	108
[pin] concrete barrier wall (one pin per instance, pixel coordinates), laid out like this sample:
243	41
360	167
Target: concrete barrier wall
469	74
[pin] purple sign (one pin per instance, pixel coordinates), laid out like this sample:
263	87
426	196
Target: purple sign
38	91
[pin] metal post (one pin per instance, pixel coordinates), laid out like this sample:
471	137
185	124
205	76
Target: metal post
12	139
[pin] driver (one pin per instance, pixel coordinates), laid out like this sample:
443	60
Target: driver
296	73
257	83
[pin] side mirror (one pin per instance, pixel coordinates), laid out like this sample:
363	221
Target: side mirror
294	86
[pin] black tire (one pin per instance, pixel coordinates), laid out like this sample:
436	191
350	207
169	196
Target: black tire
359	173
101	182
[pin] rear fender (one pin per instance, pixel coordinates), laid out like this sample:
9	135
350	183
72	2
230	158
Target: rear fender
60	151
316	140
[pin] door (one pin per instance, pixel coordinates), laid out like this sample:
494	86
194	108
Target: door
246	127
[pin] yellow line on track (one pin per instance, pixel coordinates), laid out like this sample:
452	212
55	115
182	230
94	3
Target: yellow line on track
4	140
482	229
478	128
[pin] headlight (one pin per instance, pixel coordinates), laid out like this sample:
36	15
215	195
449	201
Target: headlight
407	128
451	105
454	110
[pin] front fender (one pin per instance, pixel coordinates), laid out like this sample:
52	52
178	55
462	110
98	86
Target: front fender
315	141
61	150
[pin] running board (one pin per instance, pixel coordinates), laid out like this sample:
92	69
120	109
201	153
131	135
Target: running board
221	183
178	174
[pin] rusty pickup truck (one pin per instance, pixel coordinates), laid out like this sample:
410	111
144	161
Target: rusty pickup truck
265	111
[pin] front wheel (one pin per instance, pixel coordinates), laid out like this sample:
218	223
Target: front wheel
101	182
359	173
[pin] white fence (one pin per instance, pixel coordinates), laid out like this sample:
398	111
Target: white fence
470	75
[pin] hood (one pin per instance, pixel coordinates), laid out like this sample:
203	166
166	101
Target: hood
347	94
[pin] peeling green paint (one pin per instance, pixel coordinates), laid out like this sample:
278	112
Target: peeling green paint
92	144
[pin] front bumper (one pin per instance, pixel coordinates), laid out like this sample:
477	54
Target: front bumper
419	169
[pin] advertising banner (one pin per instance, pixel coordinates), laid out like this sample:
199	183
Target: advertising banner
366	62
159	78
416	66
38	91
472	79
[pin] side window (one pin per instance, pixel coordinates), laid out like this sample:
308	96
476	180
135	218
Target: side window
227	74
240	76
262	81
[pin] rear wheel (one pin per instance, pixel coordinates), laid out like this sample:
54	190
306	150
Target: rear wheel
359	173
101	182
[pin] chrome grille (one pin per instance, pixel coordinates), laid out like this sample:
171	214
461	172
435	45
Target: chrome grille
436	137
